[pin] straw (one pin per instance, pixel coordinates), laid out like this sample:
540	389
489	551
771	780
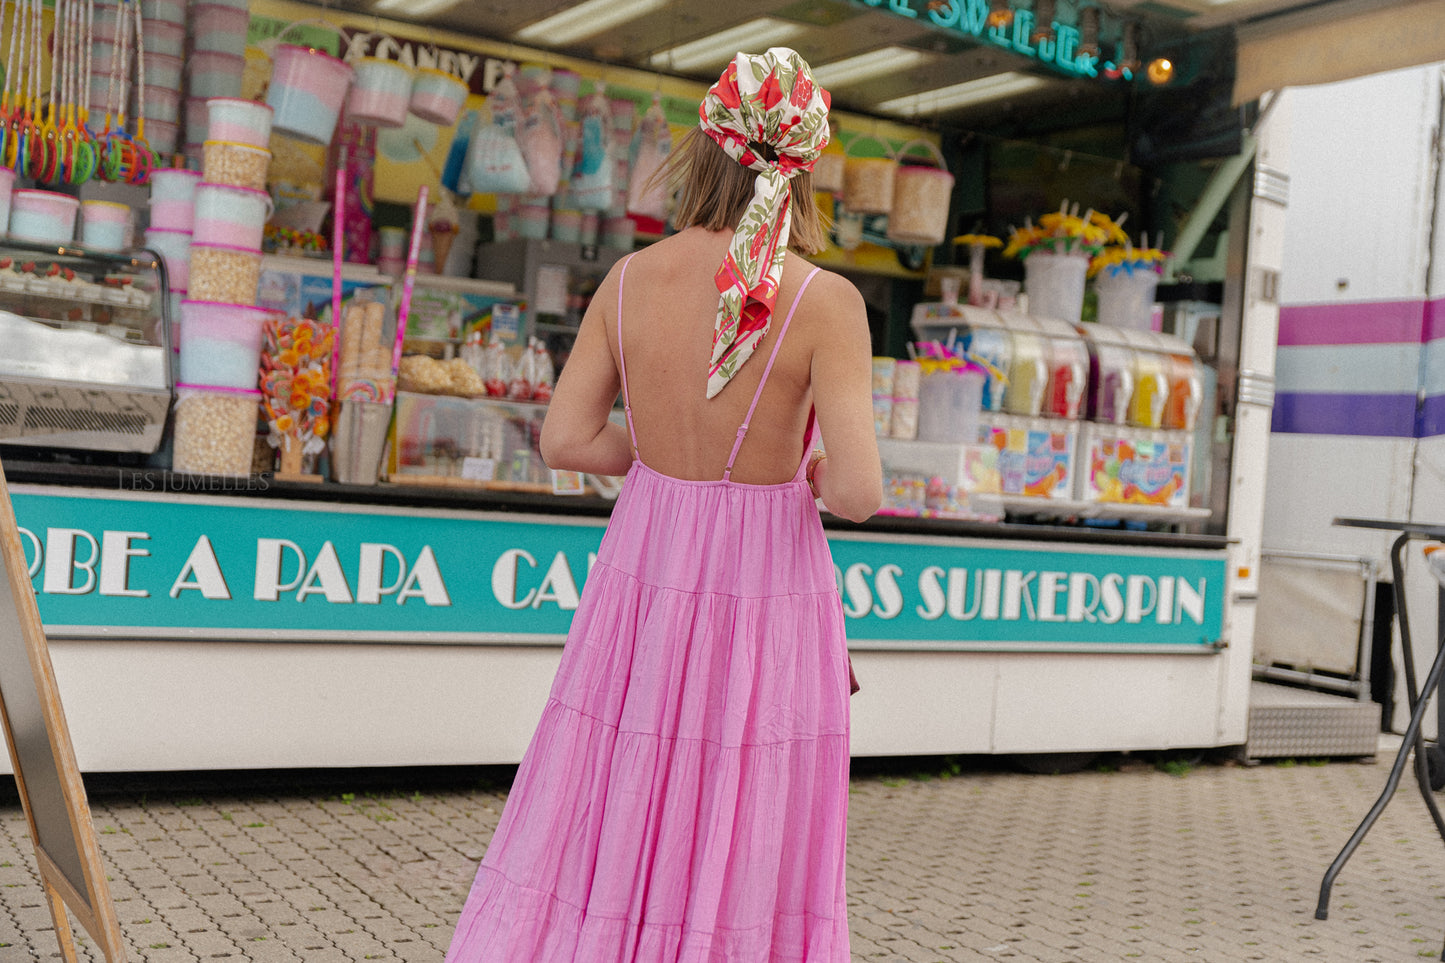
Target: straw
409	281
337	219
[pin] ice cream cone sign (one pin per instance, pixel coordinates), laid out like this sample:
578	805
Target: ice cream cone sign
444	226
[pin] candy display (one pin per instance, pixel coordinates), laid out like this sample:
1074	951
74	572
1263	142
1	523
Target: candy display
296	387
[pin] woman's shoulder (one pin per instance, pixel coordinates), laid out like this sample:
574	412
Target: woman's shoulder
828	293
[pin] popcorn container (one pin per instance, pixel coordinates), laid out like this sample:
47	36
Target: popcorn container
221	343
220	272
307	90
45	216
231	215
215	429
239	165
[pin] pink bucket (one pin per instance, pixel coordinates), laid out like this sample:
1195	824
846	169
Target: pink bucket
173	215
307	90
174	184
221	343
236	120
219	28
162	136
163	70
437	97
380	94
215	74
7	184
164	38
230	215
163	11
197	121
45	216
161	103
174	247
104	224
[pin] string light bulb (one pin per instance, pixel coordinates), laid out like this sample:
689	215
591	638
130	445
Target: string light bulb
1043	21
1000	13
1160	71
1088	32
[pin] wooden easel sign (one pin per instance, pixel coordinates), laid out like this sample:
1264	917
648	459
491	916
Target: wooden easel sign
49	781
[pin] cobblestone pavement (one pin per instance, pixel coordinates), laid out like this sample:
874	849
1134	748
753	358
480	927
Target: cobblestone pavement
1146	858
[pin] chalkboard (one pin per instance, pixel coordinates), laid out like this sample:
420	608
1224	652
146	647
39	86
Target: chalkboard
51	789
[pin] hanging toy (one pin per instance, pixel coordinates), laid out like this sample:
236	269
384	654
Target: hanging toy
9	141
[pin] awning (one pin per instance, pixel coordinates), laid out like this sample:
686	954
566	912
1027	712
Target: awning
1337	41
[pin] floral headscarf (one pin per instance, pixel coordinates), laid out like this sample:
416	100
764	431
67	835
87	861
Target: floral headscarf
769	99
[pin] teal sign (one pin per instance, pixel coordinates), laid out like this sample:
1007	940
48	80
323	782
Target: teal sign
134	565
970	18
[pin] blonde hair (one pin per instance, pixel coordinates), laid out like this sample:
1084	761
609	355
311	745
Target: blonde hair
714	191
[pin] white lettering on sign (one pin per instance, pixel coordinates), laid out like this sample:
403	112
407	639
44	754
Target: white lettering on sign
115	555
325	577
990	594
61	563
424	581
269	552
557	586
201	572
372	572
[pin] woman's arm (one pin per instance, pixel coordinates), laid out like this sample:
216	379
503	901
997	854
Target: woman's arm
576	435
850	479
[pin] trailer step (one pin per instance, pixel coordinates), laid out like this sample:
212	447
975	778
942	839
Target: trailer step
1288	721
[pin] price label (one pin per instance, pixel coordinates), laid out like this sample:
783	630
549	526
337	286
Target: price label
479	469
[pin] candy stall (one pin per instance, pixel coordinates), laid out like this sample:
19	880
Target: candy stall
273	436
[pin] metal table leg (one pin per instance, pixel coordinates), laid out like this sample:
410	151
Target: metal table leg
1419	701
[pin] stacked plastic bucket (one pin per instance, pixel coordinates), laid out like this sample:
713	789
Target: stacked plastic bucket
163	36
221	326
216	64
172	219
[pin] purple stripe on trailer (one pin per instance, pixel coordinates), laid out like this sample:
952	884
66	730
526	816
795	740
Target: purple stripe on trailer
1313	413
1371	322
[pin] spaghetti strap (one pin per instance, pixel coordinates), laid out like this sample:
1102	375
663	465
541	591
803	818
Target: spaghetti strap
747	419
622	361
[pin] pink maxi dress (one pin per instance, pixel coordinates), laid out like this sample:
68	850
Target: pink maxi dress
685	796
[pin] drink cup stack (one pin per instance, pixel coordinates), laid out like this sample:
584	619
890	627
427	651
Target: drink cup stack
216	64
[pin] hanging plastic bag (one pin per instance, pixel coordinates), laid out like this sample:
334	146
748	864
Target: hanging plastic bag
539	135
495	164
592	179
647	195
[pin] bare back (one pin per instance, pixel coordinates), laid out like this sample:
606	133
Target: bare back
668	305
